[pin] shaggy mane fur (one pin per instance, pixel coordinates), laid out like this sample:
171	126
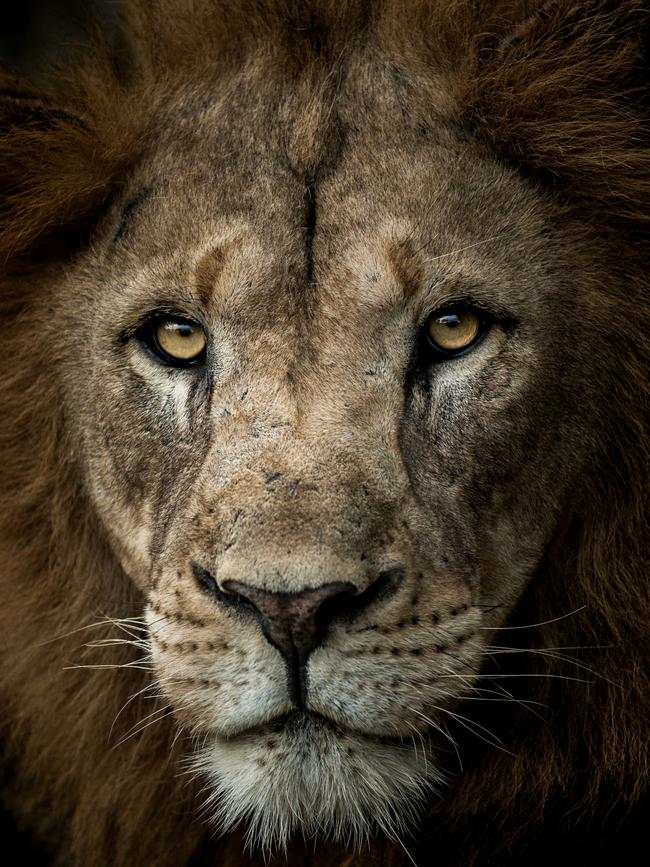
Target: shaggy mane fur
555	89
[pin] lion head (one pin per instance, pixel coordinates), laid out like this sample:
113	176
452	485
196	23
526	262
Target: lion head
323	411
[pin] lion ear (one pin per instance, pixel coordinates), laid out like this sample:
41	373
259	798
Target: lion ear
53	171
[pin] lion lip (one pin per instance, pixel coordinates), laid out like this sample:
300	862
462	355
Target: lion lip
301	722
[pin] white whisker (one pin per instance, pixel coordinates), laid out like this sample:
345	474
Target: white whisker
533	625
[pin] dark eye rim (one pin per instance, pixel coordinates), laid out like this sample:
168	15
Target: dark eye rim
439	353
146	334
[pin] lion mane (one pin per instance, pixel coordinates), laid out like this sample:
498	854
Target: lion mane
555	89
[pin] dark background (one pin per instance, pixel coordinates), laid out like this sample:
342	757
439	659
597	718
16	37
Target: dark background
34	32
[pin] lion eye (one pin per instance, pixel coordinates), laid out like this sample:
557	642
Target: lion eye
454	330
175	340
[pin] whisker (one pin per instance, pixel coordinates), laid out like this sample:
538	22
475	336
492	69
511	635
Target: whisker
136	664
129	627
506	647
420	736
134	623
149	687
394	836
455	745
504	695
470	724
492	652
466	247
141	644
179	731
434	725
153	713
533	625
168	712
499	676
502	699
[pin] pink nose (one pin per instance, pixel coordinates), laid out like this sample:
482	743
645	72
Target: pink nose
295	623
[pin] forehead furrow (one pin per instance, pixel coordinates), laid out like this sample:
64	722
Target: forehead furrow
281	202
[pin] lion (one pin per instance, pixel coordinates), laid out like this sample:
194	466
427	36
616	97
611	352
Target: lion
323	431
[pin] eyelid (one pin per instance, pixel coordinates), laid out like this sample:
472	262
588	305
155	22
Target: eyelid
162	310
436	301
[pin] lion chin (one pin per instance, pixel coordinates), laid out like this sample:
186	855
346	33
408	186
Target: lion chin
305	774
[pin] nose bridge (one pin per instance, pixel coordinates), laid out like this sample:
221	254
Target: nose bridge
293	522
294	515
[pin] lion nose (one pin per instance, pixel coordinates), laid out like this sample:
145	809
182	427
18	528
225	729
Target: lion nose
295	623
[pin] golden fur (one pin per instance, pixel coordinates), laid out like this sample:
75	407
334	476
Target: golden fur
556	94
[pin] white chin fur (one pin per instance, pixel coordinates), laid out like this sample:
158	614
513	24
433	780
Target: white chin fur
311	780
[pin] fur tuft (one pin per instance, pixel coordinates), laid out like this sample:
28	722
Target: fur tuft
327	794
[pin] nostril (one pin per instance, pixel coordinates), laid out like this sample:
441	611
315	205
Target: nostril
205	581
385	585
338	604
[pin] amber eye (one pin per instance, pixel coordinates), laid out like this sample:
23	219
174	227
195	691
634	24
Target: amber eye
453	330
175	340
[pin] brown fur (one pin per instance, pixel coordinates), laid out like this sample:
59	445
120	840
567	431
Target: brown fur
556	94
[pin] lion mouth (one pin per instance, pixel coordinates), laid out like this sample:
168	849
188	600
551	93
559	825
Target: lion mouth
303	723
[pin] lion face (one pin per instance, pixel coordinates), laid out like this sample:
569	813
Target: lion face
327	516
